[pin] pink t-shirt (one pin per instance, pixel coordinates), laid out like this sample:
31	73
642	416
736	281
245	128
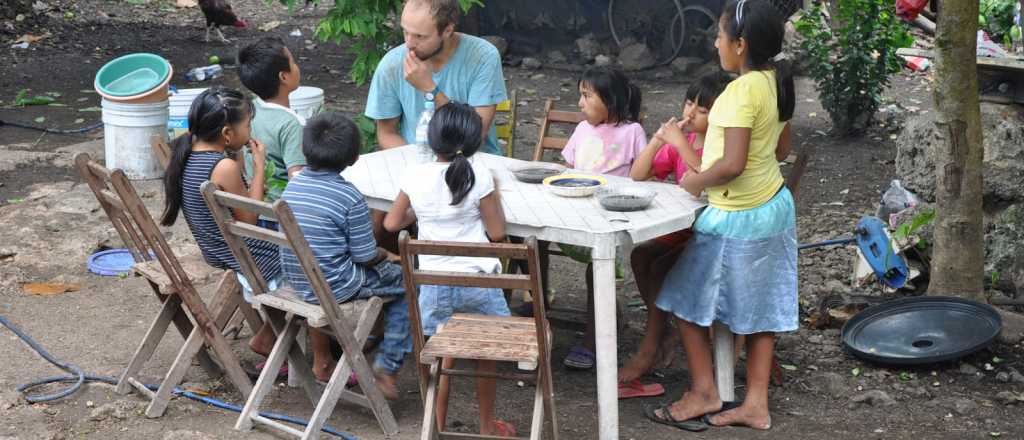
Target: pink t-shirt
605	149
668	161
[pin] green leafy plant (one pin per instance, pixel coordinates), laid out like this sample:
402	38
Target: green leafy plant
851	62
996	18
22	99
368	26
920	220
368	132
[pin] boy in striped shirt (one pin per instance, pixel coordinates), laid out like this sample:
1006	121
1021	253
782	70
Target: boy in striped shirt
335	220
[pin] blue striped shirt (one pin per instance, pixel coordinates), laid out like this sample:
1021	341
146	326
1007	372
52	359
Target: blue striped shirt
335	220
204	228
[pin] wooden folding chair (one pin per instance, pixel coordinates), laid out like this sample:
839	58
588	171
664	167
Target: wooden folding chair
551	116
162	150
287	312
172	281
480	337
507	130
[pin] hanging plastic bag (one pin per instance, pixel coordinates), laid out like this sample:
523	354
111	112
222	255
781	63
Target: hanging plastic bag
896	199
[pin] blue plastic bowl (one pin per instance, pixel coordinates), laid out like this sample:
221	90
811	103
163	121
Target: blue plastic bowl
132	75
111	262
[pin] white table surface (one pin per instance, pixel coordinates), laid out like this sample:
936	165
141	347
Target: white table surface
531	209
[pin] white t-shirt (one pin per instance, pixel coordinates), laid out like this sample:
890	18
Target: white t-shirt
438	220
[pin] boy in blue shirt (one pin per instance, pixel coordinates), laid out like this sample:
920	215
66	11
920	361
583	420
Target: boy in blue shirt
335	220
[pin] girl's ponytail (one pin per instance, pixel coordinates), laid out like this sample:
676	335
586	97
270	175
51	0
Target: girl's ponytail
633	103
181	149
455	134
786	90
460	178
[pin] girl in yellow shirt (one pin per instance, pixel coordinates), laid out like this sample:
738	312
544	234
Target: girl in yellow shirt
740	266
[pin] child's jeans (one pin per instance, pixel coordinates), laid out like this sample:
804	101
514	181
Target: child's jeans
439	303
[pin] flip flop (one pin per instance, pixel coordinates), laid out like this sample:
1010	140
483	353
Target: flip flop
692	425
579	358
633	388
258	368
726	406
505	429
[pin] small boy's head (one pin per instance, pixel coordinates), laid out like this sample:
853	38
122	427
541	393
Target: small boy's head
330	142
706	89
268	69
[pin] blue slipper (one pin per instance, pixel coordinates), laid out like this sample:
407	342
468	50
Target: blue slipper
579	358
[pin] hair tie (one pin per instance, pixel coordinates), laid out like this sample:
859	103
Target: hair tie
739	12
458	152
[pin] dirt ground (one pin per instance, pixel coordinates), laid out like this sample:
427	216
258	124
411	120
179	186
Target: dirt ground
53	223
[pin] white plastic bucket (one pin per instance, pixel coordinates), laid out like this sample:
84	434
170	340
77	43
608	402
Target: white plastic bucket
128	130
307	101
180	104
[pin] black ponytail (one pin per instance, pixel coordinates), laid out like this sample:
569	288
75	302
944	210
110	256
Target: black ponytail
763	28
455	134
622	98
211	111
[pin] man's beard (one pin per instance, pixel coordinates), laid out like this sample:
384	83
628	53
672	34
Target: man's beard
440	47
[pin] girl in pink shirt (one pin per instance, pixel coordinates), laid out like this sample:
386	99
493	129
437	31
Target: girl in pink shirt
611	137
675	148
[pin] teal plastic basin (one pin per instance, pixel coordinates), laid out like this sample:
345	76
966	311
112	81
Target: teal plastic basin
132	75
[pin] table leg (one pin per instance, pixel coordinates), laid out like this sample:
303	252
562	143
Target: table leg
724	361
606	341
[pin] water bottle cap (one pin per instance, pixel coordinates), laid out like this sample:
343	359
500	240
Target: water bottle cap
430	98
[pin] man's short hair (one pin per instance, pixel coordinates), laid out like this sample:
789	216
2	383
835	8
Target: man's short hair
330	142
444	12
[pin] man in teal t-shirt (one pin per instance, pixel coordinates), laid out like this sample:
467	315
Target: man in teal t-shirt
439	62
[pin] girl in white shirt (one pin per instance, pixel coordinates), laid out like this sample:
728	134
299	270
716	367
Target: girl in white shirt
455	199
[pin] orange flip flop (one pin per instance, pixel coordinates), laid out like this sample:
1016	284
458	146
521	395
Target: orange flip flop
504	429
633	388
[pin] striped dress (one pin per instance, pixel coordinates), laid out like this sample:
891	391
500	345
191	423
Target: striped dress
204	228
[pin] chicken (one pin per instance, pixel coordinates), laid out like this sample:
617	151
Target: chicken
218	13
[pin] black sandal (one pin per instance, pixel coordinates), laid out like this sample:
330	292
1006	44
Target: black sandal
692	425
726	406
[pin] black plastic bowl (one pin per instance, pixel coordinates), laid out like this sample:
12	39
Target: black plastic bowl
921	330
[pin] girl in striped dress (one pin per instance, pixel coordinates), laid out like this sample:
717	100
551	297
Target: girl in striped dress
219	122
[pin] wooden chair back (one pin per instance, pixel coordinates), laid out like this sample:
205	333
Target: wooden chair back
414	277
507	131
162	150
101	182
547	142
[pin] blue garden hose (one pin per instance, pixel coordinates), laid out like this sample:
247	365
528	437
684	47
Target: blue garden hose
79	378
85	129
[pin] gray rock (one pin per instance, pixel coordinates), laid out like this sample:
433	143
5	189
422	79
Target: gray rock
1003	376
531	63
498	42
964	406
603	60
1016	377
833	384
968	369
110	410
636	56
1013	327
1007	397
815	339
708	68
556	57
9	399
787	341
588	48
687	65
874	398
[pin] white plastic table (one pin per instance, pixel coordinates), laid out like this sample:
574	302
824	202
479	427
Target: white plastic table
531	209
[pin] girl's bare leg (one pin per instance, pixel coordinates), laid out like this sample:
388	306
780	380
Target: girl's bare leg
486	388
703	395
754	411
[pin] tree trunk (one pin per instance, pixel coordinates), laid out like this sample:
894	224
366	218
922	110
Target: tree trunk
958	263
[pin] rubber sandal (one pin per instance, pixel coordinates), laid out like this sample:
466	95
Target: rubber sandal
504	429
352	381
692	425
579	358
633	388
258	368
726	406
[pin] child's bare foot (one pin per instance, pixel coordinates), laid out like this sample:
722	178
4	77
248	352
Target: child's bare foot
500	428
263	341
749	415
322	371
693	405
387	384
638	365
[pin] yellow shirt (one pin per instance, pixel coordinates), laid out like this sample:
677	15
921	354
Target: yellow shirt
748	102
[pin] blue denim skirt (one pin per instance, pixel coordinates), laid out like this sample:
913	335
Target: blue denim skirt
740	269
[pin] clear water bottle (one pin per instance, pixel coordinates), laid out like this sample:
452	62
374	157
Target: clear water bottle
204	73
422	130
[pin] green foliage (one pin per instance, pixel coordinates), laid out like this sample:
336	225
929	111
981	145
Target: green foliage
368	26
996	18
368	133
907	229
851	64
22	99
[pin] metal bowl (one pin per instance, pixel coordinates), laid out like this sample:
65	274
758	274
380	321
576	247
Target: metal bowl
574	185
536	172
625	198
